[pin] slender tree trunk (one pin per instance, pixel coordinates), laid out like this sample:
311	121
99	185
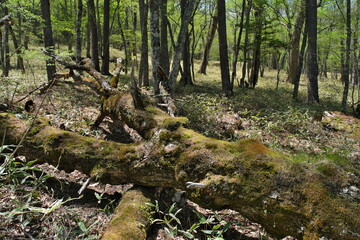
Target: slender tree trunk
6	63
88	39
94	34
2	52
346	72
19	48
173	44
125	45
5	43
175	67
48	38
144	63
186	77
209	40
223	49
20	60
246	44
106	36
312	65
300	65
256	61
78	31
155	43
134	48
164	50
237	46
294	44
98	26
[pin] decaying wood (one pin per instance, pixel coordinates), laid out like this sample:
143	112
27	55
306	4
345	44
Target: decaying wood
307	201
88	66
304	200
131	217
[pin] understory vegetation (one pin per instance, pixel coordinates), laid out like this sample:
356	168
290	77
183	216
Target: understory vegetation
38	202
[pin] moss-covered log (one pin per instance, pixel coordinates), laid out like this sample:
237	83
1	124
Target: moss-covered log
305	200
131	218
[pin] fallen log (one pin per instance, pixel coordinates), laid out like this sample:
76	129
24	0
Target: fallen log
304	200
131	218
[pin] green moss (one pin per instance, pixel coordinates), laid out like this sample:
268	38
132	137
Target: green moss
34	130
98	171
173	123
153	110
211	145
130	219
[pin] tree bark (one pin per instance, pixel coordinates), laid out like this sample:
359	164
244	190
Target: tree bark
93	34
164	50
223	49
48	38
256	61
20	60
237	46
185	20
312	64
125	44
186	76
5	43
295	42
346	73
304	200
209	40
300	66
144	63
78	31
106	36
246	44
155	43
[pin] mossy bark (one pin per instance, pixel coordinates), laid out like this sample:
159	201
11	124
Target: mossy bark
304	200
131	217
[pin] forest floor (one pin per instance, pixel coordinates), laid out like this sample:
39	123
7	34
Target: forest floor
265	113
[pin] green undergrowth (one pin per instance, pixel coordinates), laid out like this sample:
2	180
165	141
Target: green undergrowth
30	209
266	113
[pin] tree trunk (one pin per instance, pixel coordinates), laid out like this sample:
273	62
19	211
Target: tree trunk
94	34
312	65
144	63
185	20
106	36
304	200
131	217
223	49
48	38
294	44
246	44
78	31
20	60
125	44
5	43
346	72
209	40
186	77
164	51
300	65
237	46
256	60
88	39
155	43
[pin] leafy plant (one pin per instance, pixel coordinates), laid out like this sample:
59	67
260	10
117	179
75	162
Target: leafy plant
214	226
